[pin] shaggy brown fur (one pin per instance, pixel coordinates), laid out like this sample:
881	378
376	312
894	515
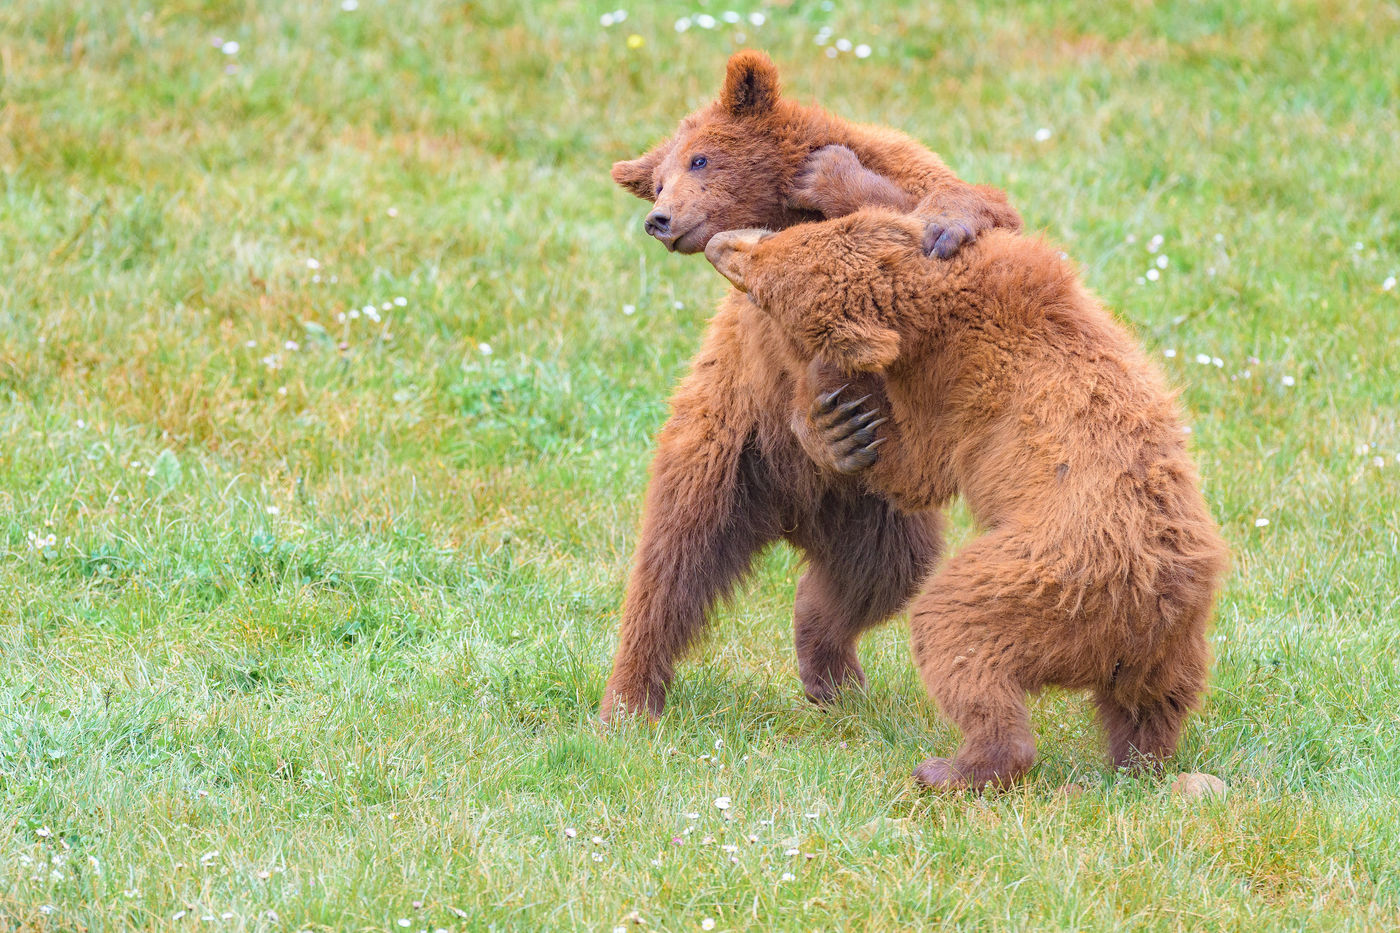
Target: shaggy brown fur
729	475
1011	386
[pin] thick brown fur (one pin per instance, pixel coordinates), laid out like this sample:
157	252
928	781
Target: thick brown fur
729	475
1008	384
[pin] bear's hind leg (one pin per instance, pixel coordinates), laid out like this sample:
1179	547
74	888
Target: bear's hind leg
1144	723
979	695
866	560
984	634
709	509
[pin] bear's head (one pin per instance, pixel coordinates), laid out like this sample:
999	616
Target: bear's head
728	165
831	285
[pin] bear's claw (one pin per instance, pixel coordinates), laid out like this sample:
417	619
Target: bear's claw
848	433
945	239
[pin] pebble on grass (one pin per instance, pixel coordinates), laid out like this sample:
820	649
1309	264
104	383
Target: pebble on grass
1196	785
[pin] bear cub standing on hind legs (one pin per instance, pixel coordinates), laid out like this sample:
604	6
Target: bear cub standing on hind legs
1010	385
729	475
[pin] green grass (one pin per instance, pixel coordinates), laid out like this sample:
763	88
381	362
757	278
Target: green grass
342	617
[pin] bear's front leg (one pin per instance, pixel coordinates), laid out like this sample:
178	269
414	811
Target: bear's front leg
957	215
707	513
845	425
836	417
833	183
839	432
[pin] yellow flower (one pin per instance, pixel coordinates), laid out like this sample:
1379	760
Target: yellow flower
635	41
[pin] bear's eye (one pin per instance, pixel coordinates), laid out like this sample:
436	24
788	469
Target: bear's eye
658	190
699	162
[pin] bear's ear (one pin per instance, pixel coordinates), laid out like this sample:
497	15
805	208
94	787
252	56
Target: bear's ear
862	349
636	175
750	84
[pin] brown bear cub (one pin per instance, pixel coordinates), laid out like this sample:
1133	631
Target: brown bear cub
730	476
1011	386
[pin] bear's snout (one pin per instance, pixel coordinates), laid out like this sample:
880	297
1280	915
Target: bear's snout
728	252
658	224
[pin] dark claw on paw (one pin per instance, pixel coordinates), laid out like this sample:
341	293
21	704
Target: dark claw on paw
932	233
843	430
860	450
826	404
944	242
846	410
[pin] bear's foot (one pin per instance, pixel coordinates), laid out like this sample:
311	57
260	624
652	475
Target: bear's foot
990	769
620	703
939	774
824	678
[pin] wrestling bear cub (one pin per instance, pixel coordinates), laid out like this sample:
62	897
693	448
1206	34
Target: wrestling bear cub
729	475
1010	386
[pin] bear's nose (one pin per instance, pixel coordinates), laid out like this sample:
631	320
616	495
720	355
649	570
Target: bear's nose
658	224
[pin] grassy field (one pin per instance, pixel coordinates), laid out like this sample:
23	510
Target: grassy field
329	363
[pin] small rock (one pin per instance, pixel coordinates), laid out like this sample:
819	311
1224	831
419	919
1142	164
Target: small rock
884	826
1193	786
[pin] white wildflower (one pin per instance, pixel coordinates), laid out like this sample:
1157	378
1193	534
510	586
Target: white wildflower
1043	134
